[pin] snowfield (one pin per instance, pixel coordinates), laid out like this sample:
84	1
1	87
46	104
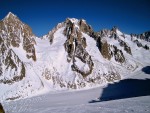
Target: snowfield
126	96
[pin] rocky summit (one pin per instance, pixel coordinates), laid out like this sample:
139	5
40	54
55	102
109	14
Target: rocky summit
71	56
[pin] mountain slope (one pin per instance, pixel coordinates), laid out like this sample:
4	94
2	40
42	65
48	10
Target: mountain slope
70	56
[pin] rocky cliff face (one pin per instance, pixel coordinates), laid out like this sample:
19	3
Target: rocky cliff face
111	51
16	34
144	37
75	43
9	61
11	66
75	46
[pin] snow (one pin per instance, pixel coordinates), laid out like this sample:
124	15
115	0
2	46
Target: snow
81	65
139	54
54	55
74	20
21	53
27	87
119	32
88	100
92	49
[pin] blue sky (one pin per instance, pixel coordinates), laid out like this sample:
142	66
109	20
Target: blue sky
131	16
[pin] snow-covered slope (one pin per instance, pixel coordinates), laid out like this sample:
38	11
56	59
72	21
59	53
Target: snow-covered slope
125	96
70	56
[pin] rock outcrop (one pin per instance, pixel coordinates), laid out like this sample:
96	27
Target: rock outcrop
107	50
104	48
75	46
10	64
1	109
50	34
84	27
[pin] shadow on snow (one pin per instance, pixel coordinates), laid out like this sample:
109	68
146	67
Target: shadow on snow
146	69
127	88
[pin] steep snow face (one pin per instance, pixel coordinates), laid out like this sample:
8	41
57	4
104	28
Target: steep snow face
71	56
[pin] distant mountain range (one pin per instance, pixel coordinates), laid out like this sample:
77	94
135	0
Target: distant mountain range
71	56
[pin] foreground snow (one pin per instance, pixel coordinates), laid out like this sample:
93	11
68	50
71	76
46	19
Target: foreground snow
129	95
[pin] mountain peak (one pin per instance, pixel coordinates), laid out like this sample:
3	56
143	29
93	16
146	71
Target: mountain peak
72	20
10	14
76	21
115	28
